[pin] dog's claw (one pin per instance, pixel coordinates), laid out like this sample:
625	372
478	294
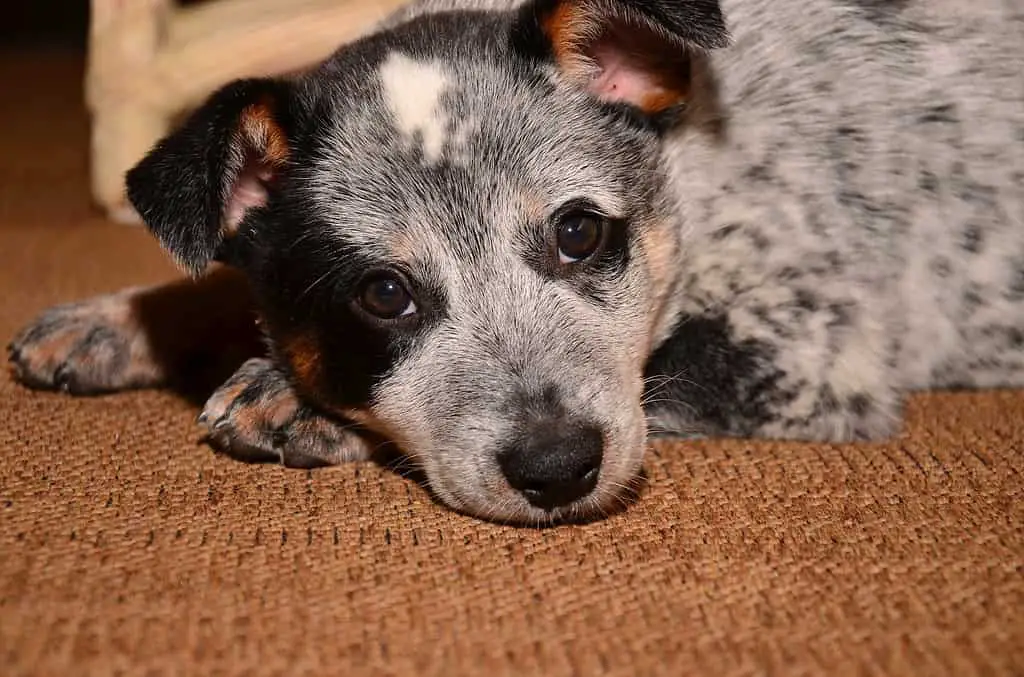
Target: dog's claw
278	439
62	378
257	416
84	348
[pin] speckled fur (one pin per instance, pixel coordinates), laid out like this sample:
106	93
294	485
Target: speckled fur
864	220
836	220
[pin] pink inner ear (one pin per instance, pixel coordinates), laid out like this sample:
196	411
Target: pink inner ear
622	77
249	191
633	64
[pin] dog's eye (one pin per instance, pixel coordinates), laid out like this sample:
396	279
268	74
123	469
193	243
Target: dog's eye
386	297
580	234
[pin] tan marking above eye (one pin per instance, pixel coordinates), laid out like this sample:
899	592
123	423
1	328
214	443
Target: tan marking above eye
303	354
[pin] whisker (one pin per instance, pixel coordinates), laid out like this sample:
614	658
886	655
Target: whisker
315	283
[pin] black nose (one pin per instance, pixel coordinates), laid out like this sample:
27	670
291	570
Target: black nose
554	462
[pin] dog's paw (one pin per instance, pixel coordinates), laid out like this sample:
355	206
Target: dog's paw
256	416
84	348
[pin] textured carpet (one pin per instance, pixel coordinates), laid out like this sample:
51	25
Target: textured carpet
128	548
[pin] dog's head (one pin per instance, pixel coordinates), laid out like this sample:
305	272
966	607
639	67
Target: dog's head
458	235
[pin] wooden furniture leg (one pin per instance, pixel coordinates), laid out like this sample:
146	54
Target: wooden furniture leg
125	38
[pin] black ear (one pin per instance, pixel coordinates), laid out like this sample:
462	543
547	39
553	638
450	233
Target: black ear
195	187
635	52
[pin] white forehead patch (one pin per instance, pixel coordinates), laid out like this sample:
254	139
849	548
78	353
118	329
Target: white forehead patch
412	90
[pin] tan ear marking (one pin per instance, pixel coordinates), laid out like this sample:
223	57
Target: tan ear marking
567	28
617	60
671	82
264	148
264	133
662	100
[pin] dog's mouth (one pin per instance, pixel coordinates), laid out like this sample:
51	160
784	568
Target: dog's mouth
606	500
546	489
526	450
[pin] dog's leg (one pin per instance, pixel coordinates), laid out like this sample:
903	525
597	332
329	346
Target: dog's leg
780	352
192	334
714	378
257	416
182	333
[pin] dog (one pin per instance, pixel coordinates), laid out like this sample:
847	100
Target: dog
517	238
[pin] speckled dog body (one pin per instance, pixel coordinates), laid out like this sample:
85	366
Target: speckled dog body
804	217
862	227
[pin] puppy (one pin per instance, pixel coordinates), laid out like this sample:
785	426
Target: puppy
517	238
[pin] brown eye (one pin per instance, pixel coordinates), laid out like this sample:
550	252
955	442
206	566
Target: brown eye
580	234
386	297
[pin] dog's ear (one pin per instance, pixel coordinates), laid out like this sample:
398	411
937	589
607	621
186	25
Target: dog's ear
195	187
633	52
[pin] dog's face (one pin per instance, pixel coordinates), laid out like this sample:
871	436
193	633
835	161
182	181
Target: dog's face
457	233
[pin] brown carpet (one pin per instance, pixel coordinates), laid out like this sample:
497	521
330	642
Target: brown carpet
127	548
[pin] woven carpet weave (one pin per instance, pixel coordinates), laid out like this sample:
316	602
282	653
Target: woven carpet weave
128	548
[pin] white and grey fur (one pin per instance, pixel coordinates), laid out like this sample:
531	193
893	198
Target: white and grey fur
835	219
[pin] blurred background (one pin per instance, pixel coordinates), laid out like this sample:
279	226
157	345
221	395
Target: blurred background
60	23
100	81
46	22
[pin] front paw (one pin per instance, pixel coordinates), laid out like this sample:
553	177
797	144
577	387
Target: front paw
84	348
256	416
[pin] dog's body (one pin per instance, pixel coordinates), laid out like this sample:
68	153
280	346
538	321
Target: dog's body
782	237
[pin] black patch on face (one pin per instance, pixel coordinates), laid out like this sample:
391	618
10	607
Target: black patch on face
307	279
732	386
